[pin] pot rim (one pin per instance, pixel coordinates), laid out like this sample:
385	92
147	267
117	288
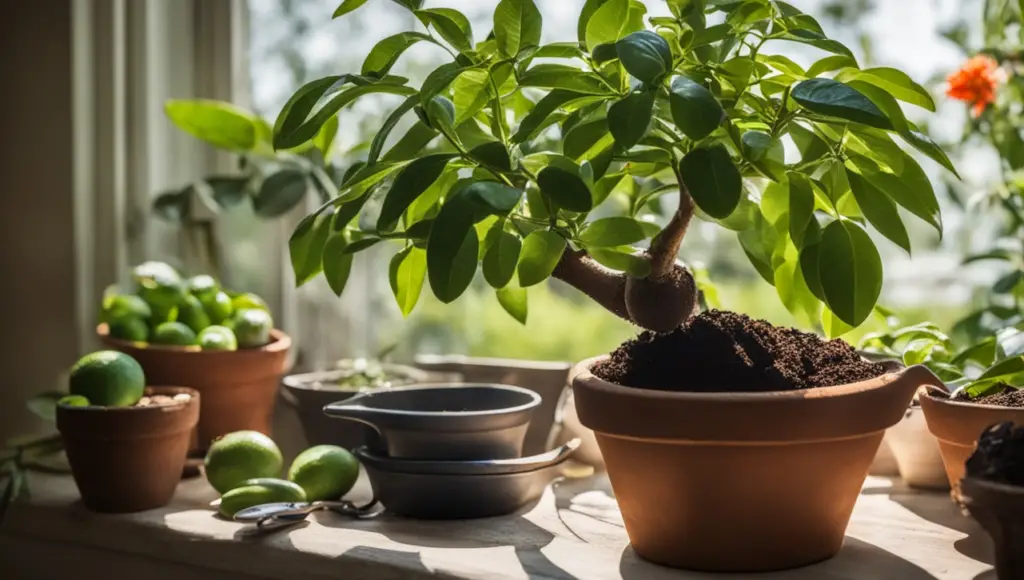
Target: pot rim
965	404
534	401
151	390
280	342
305	381
514	363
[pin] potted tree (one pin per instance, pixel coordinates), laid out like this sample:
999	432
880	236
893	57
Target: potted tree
690	113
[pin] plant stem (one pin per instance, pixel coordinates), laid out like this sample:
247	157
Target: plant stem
604	286
665	245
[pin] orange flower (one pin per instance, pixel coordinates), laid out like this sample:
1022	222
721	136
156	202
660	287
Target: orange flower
976	83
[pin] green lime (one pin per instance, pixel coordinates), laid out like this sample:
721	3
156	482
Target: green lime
218	307
239	456
108	378
325	472
217	338
259	491
192	314
74	401
119	306
159	284
130	329
252	327
249	300
174	334
202	285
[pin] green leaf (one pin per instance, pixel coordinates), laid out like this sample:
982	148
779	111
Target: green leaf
623	259
816	40
756	144
542	111
782	64
412	143
517	26
472	92
558	76
219	124
835	99
356	246
346	7
514	300
565	188
438	81
710	35
494	197
298	107
1004	371
406	272
493	154
413	5
831	63
324	140
629	118
411	182
280	193
792	288
1009	343
894	82
879	209
337	263
833	326
911	189
540	253
452	25
925	145
801	207
453	247
501	257
1000	254
712	180
385	53
365	178
306	245
884	101
850	271
44	405
645	55
616	231
608	23
589	8
377	145
308	129
695	110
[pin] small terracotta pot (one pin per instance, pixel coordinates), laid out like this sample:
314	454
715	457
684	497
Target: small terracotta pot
740	481
128	459
239	387
957	425
999	508
917	453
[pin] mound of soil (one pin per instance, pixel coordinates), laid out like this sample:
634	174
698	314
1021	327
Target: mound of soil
1000	455
1008	397
718	351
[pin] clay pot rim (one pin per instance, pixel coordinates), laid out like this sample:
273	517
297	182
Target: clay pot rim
150	390
533	403
928	392
582	373
280	342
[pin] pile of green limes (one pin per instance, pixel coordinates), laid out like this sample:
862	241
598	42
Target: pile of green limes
169	309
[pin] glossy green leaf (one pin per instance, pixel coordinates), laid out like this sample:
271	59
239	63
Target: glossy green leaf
410	183
629	118
831	63
220	124
452	249
608	23
782	64
540	253
710	35
879	209
337	263
306	245
712	180
911	189
645	55
884	101
347	6
622	259
280	192
492	154
1004	371
377	145
406	273
451	25
1000	254
365	243
895	82
817	40
297	109
365	178
616	231
472	92
568	78
565	188
695	110
540	113
412	143
385	53
833	326
756	144
494	197
309	128
809	269
924	144
850	271
501	257
514	300
791	287
801	207
835	99
517	26
438	81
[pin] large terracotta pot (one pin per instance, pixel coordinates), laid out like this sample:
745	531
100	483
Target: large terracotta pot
128	459
239	388
958	424
999	508
740	481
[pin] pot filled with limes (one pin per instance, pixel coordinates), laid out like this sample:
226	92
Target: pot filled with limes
195	333
126	442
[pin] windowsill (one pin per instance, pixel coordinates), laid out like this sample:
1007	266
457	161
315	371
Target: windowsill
894	533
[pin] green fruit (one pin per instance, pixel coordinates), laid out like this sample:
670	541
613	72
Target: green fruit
217	338
174	334
108	378
131	329
218	307
239	456
325	472
249	300
74	401
192	314
252	327
159	284
120	306
259	491
202	285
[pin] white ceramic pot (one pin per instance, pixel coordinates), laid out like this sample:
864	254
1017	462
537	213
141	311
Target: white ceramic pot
917	452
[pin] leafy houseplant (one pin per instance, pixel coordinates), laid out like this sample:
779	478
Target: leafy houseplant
549	169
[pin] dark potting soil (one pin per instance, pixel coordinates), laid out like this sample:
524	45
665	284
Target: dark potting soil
1000	455
1008	397
719	351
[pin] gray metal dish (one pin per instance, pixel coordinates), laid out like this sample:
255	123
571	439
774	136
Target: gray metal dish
451	497
472	468
454	422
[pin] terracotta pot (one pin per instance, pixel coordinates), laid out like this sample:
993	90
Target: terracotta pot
999	508
239	388
740	481
547	379
957	425
917	453
884	463
128	459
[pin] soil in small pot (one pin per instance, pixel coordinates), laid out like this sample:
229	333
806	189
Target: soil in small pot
999	456
720	351
1007	397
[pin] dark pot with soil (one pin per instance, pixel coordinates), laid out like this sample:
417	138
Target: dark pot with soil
130	459
720	404
993	492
